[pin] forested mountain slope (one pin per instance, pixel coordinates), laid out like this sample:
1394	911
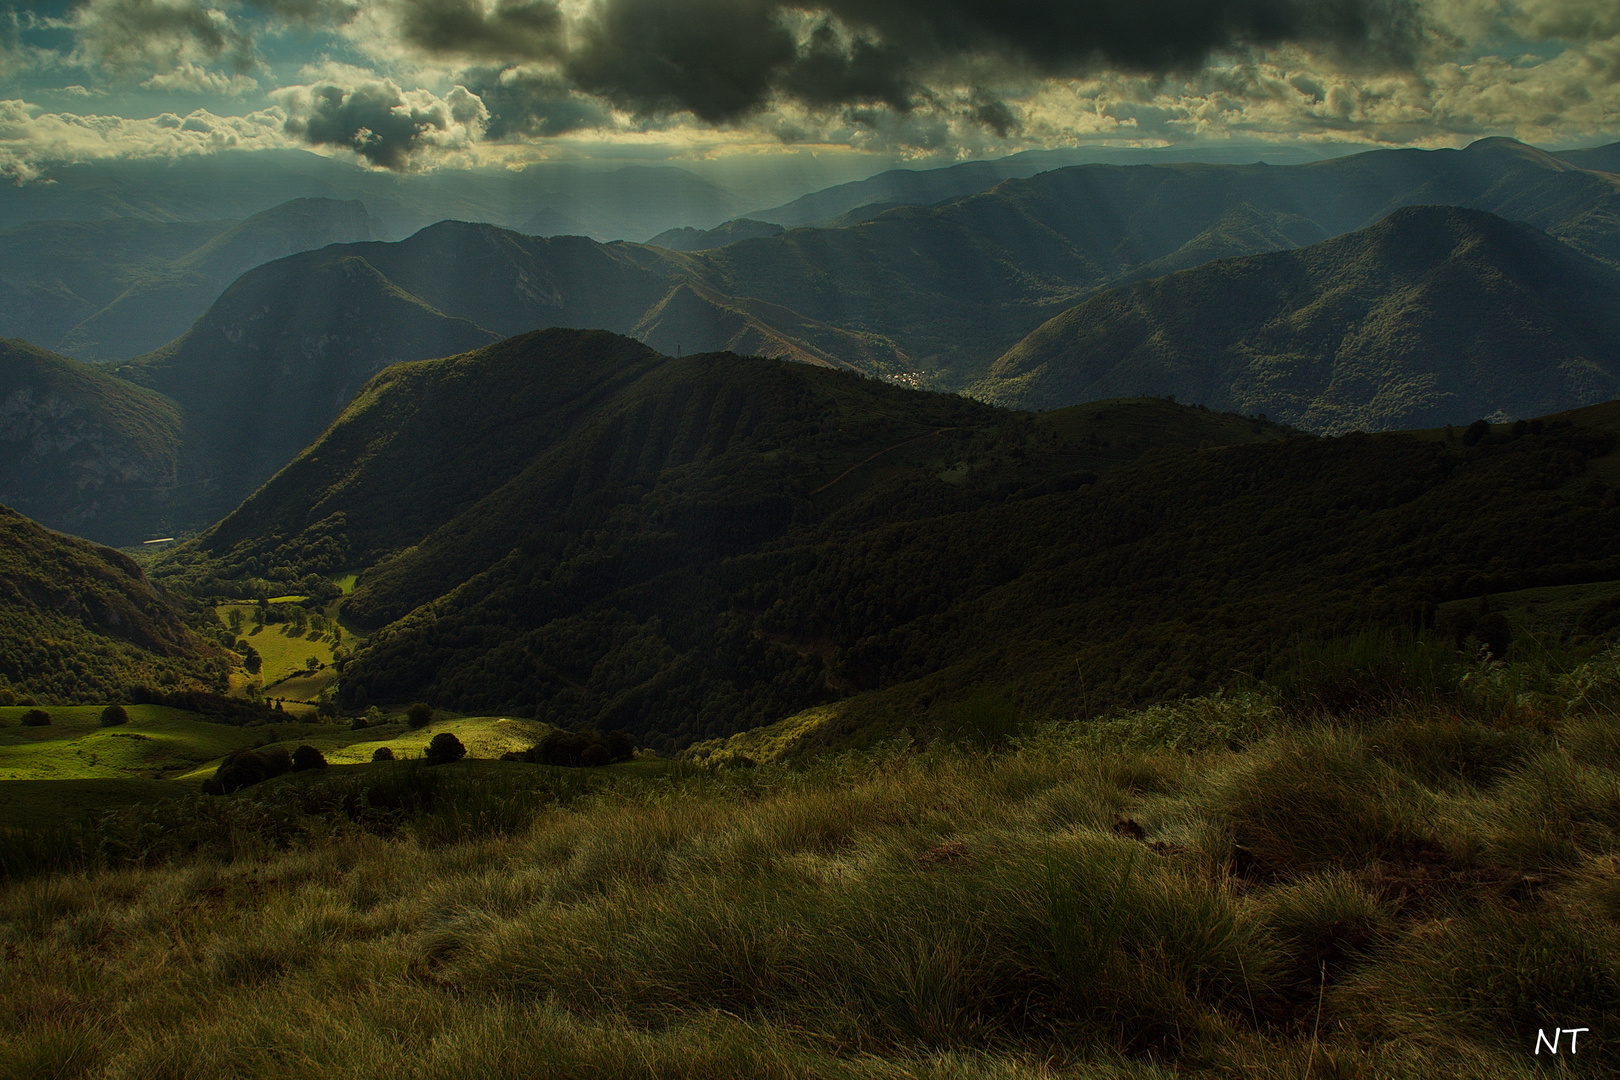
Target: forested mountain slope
690	547
1434	315
83	450
80	622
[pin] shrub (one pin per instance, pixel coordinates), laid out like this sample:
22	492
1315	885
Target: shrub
244	768
36	718
307	757
1366	675
444	749
382	753
419	715
359	723
987	719
113	715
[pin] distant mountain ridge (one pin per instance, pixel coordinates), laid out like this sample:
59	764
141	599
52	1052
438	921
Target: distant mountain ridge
112	290
1434	315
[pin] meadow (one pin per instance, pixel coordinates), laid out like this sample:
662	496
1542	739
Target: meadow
1390	861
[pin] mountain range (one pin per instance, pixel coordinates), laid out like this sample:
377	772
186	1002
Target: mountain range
1430	316
940	297
109	290
568	525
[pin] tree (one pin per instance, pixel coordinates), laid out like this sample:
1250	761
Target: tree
444	749
113	715
419	715
307	757
36	718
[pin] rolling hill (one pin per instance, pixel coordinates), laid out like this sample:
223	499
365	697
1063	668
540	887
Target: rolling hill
692	547
81	622
1435	315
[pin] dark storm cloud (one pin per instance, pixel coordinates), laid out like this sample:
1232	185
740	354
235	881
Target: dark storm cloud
515	28
126	34
381	123
722	59
536	106
715	58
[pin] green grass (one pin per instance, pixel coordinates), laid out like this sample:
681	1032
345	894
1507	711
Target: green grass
157	742
1319	895
484	737
285	654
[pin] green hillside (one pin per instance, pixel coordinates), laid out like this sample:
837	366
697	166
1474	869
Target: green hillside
673	619
81	622
84	451
699	546
1434	315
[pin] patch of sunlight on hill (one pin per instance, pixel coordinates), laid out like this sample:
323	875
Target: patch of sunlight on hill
483	736
771	743
156	742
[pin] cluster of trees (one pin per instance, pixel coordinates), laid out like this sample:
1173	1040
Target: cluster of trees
576	749
246	767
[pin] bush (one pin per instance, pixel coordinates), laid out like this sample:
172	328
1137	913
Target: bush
382	753
577	749
359	723
444	749
307	757
36	718
419	715
113	715
244	768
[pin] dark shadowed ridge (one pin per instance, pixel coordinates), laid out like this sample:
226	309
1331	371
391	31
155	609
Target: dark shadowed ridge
86	452
81	622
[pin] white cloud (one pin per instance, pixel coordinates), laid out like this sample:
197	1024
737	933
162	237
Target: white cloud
199	80
31	138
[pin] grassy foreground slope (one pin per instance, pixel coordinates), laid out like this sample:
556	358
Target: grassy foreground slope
1269	885
1434	315
81	622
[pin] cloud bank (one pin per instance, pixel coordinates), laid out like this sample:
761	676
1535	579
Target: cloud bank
404	84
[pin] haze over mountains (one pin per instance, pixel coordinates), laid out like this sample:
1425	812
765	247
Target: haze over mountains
110	290
942	297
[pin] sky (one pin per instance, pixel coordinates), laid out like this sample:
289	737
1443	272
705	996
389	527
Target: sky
417	85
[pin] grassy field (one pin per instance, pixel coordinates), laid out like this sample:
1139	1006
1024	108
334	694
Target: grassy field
285	655
1379	867
158	742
